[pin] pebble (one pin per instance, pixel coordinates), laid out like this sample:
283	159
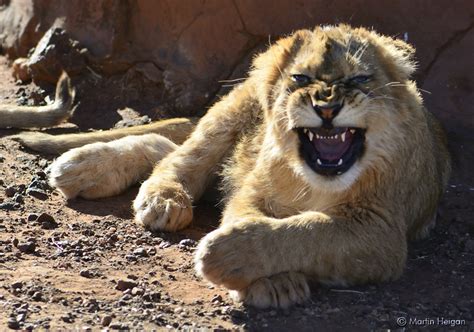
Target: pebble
140	251
21	317
17	284
47	221
106	320
10	191
9	206
37	193
85	273
187	243
125	284
217	298
37	296
27	247
32	217
137	291
13	323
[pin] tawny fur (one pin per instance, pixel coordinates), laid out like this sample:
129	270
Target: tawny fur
106	169
176	130
12	116
283	223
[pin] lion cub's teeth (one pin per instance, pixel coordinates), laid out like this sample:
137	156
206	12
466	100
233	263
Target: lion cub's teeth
319	161
352	131
340	162
336	136
305	131
310	135
343	137
317	136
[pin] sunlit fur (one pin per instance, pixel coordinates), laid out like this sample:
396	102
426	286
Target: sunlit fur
284	224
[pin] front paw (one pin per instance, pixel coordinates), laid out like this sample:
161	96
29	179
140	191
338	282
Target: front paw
163	206
91	171
278	291
227	257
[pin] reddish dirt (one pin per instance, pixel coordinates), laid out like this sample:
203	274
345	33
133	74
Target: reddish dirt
64	273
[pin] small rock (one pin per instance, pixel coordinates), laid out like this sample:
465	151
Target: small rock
106	320
37	296
13	323
85	273
8	206
37	193
27	247
10	191
140	251
152	297
125	284
21	317
47	221
187	243
137	291
126	297
32	217
116	326
17	284
41	174
217	298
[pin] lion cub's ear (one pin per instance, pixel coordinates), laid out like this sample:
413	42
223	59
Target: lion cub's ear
269	66
400	55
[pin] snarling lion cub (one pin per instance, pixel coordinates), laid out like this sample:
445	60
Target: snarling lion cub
331	163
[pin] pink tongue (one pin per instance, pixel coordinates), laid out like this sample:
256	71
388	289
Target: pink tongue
332	149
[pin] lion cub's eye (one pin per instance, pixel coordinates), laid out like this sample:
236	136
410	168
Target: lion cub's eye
360	79
301	79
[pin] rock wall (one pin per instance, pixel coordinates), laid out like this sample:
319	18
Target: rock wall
184	48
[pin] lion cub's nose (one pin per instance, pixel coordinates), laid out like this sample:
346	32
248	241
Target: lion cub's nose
327	112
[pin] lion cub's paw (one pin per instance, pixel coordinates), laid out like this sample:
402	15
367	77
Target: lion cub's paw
230	256
88	172
163	206
278	291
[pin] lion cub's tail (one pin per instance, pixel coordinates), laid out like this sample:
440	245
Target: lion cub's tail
12	116
177	130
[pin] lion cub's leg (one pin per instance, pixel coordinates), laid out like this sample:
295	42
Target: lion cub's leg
164	200
106	169
258	256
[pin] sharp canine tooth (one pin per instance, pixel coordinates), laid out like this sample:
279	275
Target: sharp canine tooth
353	131
319	161
305	131
311	135
343	137
340	162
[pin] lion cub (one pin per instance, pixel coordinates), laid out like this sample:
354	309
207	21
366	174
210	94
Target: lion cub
330	164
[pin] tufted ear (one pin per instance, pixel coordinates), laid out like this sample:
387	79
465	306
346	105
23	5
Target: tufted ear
400	54
269	66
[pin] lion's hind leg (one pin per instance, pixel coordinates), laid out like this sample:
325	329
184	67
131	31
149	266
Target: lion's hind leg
105	169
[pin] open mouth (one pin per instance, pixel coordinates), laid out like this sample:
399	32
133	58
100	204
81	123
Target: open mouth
331	151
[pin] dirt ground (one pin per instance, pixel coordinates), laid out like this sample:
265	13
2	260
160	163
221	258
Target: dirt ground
85	265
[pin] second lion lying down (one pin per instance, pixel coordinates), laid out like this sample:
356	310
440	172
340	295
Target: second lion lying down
330	163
